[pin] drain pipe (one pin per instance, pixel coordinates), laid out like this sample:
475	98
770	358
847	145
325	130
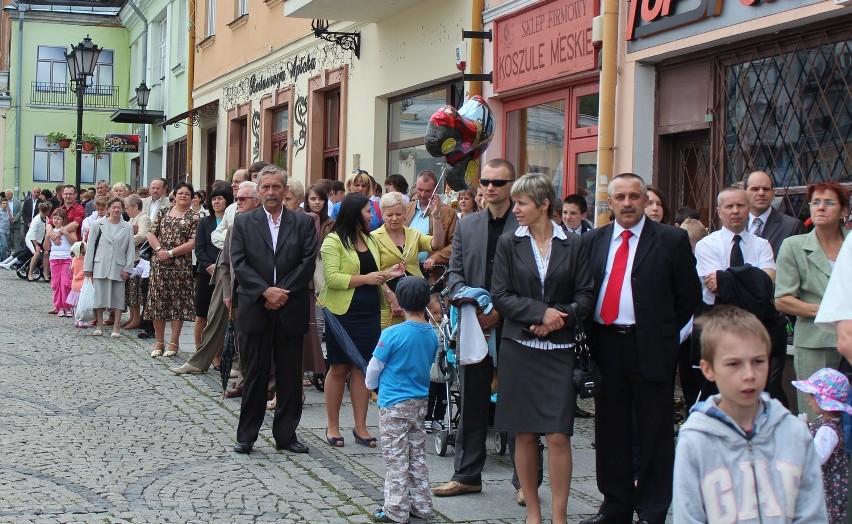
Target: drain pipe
190	79
19	82
476	47
606	111
143	138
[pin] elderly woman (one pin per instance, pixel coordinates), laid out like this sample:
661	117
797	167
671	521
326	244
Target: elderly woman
360	181
655	207
542	287
141	223
109	263
401	244
352	292
803	267
120	190
206	254
172	237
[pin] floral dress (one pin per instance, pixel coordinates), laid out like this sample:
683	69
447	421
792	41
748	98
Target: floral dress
835	478
171	286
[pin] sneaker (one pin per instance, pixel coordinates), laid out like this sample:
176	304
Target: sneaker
60	313
427	426
437	425
381	516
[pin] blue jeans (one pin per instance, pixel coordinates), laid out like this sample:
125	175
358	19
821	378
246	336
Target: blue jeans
4	245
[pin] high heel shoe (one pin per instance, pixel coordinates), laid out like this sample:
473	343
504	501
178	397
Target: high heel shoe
172	352
157	349
115	334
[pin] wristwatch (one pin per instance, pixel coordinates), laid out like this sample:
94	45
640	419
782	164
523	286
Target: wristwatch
171	255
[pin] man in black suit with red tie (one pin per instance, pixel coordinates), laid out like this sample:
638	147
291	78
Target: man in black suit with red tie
647	288
273	255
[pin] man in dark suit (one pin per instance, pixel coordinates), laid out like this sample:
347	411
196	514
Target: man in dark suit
273	253
471	264
647	289
766	222
30	207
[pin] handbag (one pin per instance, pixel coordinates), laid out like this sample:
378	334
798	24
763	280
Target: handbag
145	251
587	377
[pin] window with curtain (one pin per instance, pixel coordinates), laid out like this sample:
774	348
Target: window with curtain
48	161
51	69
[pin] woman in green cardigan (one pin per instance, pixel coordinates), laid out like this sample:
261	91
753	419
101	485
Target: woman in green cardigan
804	265
352	291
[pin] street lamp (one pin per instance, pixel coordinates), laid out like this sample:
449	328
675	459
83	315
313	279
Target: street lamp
81	65
142	94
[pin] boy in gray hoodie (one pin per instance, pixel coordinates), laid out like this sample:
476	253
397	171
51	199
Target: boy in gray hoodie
741	456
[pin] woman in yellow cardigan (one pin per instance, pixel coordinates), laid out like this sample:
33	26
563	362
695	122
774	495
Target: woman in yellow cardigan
352	292
399	243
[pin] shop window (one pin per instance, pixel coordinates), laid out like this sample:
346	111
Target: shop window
331	135
408	117
555	134
48	161
93	168
785	108
280	137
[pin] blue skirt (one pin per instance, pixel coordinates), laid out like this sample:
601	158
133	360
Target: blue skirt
362	323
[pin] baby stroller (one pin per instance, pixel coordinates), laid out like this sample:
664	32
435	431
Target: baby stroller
22	267
447	360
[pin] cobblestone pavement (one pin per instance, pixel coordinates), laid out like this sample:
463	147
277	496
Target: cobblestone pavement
95	430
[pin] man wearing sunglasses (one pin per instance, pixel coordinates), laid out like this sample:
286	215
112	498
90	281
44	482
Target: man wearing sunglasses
471	264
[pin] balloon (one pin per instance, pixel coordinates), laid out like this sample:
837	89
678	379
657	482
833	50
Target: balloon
464	172
461	136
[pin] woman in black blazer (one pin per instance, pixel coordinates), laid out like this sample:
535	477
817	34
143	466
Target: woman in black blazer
542	287
206	254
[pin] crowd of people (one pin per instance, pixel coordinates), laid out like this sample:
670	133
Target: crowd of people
352	263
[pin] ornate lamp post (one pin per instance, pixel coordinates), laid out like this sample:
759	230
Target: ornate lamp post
81	65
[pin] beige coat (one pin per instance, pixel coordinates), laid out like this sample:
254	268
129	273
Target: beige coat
144	223
109	256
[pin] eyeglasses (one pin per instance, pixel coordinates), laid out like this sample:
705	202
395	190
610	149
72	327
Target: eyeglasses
496	183
243	199
826	203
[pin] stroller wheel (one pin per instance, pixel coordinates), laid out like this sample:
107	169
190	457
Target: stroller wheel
23	269
441	443
501	440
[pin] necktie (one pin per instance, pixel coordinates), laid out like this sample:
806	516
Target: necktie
612	295
756	226
737	253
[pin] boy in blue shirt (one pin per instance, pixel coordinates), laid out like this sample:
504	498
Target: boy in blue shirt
400	369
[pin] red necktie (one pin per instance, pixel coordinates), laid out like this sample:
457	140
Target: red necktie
612	296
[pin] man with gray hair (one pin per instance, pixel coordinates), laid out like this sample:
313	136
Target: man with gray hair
220	303
101	189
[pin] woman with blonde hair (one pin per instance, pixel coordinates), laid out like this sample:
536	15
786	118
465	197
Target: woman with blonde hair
360	181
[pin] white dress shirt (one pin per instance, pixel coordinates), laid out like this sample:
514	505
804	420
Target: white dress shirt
713	253
626	314
155	206
217	237
274	227
763	218
836	305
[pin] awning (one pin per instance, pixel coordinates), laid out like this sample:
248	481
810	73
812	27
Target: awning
136	116
207	110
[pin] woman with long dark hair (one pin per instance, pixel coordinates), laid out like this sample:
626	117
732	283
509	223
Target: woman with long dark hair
352	292
206	254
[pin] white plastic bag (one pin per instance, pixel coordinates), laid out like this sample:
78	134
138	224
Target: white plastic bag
86	302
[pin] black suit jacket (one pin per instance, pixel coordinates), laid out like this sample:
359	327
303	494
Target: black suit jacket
666	291
27	210
516	287
254	264
778	228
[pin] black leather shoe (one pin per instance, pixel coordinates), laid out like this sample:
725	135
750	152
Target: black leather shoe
642	521
293	447
243	447
601	518
582	413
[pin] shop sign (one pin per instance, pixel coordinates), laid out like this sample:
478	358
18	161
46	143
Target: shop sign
656	17
116	143
546	42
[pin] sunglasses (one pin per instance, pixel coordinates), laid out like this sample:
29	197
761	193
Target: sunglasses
496	183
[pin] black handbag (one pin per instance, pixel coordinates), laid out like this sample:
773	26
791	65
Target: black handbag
145	251
587	377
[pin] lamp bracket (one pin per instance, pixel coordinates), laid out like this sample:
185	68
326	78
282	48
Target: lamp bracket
346	41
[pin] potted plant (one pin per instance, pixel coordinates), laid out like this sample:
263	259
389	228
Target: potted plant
93	144
58	138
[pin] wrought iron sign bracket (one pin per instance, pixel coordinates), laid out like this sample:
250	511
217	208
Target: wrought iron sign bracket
346	41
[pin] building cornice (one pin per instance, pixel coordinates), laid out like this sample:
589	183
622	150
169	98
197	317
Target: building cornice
489	15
